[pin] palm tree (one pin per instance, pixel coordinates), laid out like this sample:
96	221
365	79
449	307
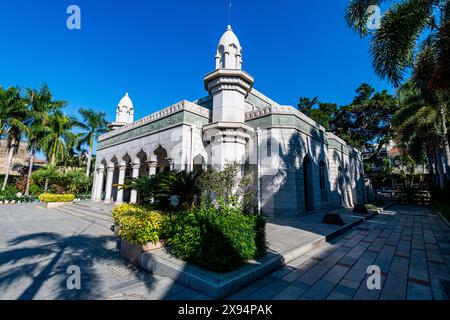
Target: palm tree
93	124
58	138
421	125
404	24
41	106
13	123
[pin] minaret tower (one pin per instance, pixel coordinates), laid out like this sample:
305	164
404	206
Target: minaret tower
124	113
229	85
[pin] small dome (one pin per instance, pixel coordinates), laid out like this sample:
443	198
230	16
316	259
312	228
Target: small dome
229	38
229	51
126	102
125	110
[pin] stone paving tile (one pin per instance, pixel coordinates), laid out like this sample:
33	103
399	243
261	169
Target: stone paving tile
409	244
37	246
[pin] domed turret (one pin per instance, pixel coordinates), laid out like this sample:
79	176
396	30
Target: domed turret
125	110
229	51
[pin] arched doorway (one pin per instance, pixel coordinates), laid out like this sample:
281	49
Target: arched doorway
199	162
163	163
323	183
308	184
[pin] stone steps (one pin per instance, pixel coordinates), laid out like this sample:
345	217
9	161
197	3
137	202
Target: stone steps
97	208
100	218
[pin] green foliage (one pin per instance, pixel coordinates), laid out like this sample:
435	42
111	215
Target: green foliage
73	181
216	239
127	209
35	190
58	138
229	185
10	191
367	120
77	181
139	225
185	185
393	51
323	114
50	197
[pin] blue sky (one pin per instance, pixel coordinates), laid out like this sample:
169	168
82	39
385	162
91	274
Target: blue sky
159	50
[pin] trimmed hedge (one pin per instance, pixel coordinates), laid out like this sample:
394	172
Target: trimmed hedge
138	224
141	227
217	240
125	209
50	197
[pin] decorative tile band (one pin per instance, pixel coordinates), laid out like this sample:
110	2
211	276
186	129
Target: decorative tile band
181	117
177	107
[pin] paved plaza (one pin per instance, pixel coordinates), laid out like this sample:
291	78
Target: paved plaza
410	244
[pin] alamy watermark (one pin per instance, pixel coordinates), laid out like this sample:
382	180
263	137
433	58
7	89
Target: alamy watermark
374	279
373	21
74	279
73	22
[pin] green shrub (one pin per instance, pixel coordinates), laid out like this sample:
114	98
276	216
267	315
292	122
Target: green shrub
50	197
141	226
217	240
36	190
260	235
10	191
126	209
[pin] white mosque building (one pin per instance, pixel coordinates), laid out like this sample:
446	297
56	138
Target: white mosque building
300	168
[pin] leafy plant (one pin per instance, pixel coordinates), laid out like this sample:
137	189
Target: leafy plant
141	226
229	185
218	240
126	209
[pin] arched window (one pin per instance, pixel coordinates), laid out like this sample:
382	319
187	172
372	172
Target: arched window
322	175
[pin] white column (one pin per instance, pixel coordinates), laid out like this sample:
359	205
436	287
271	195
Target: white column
122	168
99	183
171	163
152	164
94	185
109	181
191	153
152	167
135	174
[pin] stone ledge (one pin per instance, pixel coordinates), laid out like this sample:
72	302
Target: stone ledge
219	286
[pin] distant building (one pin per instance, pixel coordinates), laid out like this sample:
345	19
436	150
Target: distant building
21	159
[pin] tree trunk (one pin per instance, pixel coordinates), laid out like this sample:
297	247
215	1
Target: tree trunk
52	162
8	165
447	155
446	148
440	169
30	170
431	170
89	159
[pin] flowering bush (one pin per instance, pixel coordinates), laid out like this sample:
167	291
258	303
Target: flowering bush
141	226
50	197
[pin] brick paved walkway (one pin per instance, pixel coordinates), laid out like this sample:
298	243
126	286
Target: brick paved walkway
37	246
411	245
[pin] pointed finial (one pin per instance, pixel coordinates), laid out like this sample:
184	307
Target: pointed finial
229	16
